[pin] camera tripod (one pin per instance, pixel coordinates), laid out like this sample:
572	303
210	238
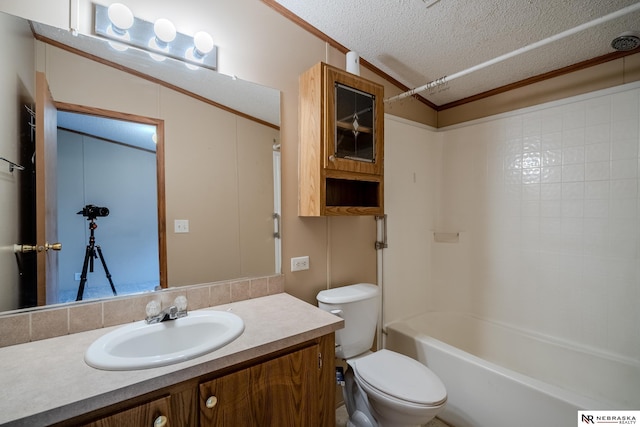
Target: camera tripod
93	251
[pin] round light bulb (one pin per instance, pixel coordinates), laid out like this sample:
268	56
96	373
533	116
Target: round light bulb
165	30
203	43
121	17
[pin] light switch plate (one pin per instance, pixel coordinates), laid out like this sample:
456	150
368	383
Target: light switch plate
181	226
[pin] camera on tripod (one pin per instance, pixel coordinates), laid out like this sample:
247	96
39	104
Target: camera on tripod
93	211
93	250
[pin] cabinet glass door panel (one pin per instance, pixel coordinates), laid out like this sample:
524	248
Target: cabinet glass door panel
354	124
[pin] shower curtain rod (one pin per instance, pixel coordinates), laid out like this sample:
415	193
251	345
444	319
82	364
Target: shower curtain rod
442	80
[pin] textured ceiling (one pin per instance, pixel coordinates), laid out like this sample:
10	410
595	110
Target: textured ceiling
419	41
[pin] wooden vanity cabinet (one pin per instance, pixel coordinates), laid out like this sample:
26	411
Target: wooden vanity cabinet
288	388
280	392
156	413
170	407
341	146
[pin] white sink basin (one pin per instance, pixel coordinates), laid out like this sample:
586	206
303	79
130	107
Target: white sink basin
140	345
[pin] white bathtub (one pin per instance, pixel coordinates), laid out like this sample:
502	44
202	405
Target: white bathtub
497	376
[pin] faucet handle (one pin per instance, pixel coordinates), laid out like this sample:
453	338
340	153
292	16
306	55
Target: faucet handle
181	303
152	308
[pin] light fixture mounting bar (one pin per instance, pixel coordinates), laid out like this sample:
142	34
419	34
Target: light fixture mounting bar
142	32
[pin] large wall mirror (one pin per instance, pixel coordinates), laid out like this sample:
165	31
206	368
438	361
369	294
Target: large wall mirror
219	176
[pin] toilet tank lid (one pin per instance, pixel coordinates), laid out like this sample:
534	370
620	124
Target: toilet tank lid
349	293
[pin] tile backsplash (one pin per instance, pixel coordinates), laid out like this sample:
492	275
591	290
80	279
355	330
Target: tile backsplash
49	322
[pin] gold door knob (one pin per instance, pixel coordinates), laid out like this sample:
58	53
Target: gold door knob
161	421
212	402
53	246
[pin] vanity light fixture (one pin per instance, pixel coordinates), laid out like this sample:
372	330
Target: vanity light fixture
160	39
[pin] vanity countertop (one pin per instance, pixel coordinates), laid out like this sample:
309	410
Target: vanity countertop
47	381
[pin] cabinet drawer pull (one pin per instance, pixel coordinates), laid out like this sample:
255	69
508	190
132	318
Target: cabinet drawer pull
212	402
161	421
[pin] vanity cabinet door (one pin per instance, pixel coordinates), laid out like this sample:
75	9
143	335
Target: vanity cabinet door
156	413
281	392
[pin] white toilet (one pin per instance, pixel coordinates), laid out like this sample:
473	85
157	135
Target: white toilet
385	388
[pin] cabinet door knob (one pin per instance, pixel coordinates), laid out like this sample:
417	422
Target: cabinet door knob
161	421
212	401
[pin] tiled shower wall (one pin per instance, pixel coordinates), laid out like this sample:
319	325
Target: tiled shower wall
546	201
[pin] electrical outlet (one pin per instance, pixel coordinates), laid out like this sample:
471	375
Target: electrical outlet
300	263
77	276
181	226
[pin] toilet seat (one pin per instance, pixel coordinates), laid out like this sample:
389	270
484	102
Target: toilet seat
401	378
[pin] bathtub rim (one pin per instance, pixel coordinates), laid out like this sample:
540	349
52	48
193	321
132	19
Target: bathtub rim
538	336
565	395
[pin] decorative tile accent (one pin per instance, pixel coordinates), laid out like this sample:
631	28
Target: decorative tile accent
219	294
85	317
241	290
259	287
49	323
276	284
118	311
14	329
198	297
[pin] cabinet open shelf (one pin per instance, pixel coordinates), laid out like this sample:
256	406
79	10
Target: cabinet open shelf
345	192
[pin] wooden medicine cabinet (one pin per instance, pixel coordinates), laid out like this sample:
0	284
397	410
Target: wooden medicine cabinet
341	152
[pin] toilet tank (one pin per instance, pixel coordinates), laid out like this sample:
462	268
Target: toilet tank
358	306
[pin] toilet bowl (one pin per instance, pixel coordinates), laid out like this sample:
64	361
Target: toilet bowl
400	390
383	388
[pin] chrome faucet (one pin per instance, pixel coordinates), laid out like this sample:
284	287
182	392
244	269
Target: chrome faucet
169	313
175	311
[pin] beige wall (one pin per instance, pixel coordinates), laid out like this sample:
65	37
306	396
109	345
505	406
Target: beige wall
258	44
17	80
